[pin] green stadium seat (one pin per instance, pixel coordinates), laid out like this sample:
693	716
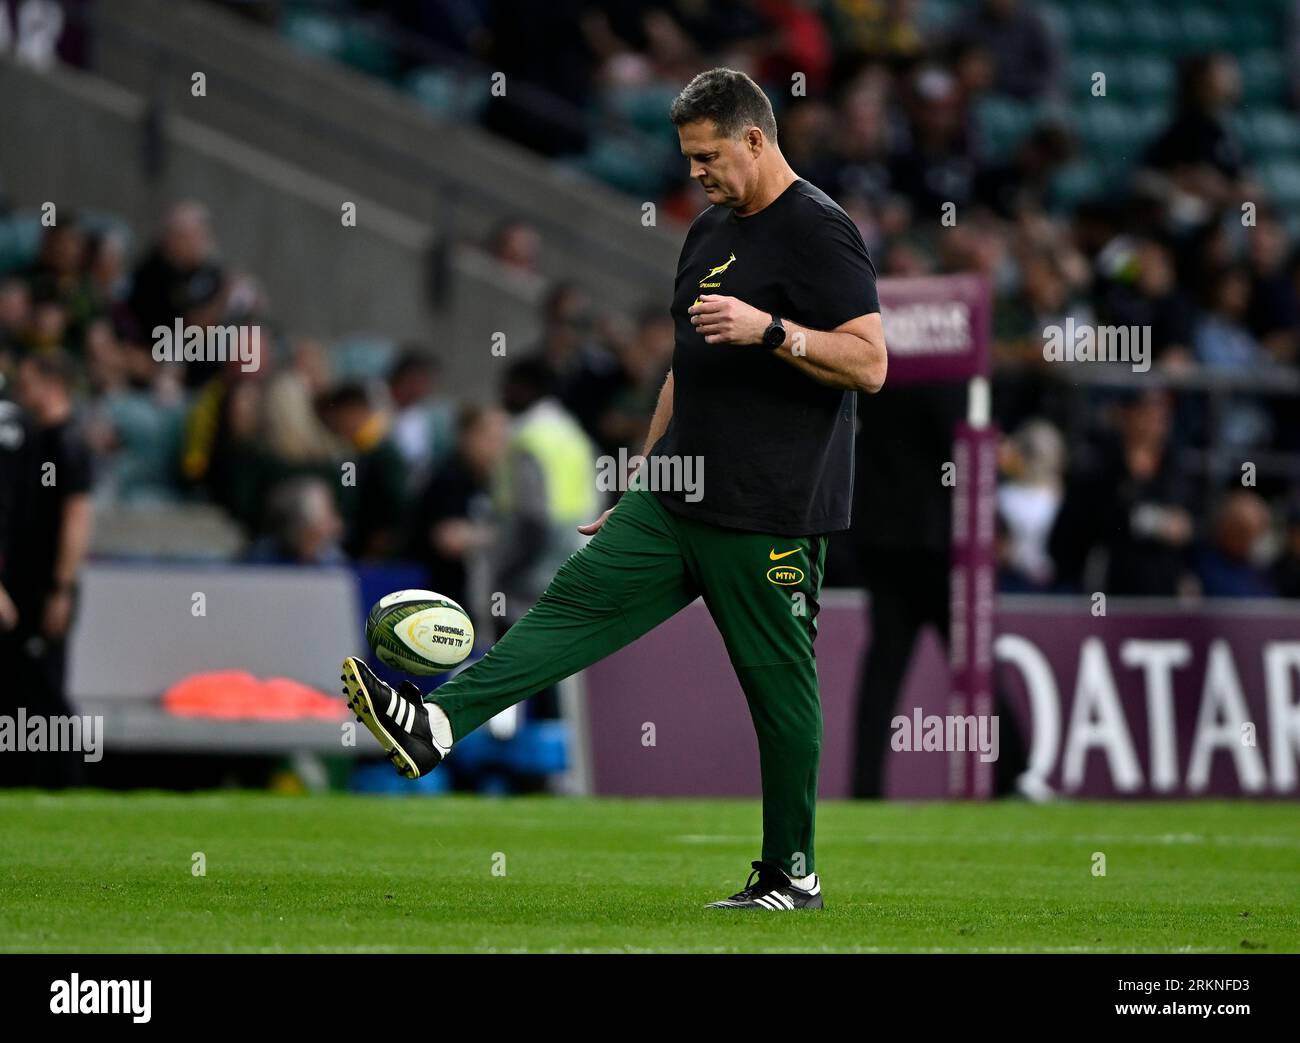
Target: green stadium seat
1076	183
368	50
1116	131
1252	29
1204	29
20	239
319	34
362	357
1282	180
1083	65
1098	25
1059	19
1147	79
442	92
1272	133
624	165
1263	77
936	15
1153	29
1003	122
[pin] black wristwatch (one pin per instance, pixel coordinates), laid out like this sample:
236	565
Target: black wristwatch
774	335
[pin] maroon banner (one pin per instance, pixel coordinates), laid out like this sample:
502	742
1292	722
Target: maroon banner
1148	700
937	327
1155	701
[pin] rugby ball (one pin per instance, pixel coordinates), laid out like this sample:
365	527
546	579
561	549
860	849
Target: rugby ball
419	632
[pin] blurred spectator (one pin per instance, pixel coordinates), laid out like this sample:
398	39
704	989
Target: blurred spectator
567	325
1127	500
373	492
1199	149
1234	564
1023	48
137	421
179	274
546	489
517	244
453	511
59	277
877	28
1286	571
302	526
1274	314
46	537
902	534
614	395
15	314
291	429
936	166
1033	465
1223	340
1145	292
1023	182
422	418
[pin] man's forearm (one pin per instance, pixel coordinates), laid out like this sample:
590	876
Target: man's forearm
74	540
663	413
835	357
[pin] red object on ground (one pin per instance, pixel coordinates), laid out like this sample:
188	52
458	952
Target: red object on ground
235	695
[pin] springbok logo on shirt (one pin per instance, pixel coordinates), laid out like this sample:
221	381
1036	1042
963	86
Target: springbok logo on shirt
707	285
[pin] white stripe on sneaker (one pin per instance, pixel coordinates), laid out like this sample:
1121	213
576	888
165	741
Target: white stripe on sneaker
410	718
392	703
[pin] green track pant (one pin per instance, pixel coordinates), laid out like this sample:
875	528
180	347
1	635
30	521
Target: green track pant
643	565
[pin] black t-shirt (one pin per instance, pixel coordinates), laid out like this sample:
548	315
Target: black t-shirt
52	466
776	445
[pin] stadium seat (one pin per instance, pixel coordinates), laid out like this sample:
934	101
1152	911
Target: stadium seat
1153	29
1003	121
1272	132
1282	180
1263	77
367	49
20	239
1204	29
1077	182
1146	79
318	33
1098	25
442	92
363	357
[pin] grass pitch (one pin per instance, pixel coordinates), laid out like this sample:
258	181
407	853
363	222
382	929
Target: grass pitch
98	872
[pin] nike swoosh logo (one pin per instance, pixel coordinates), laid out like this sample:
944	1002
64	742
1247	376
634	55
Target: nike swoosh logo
774	556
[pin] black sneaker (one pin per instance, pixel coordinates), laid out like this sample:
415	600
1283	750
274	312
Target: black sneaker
397	717
773	890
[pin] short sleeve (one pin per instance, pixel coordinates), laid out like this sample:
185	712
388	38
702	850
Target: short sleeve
76	472
834	280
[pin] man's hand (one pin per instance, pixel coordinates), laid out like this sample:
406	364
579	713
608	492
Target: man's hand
726	320
591	528
58	614
8	611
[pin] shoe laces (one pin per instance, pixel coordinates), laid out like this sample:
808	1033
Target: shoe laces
769	878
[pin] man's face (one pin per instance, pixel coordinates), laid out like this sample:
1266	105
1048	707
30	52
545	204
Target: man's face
726	168
30	388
